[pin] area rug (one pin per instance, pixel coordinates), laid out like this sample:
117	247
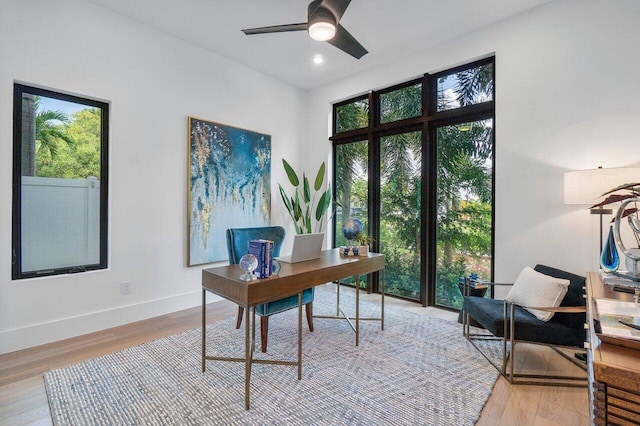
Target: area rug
418	371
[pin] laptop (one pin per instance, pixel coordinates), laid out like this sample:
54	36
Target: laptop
305	247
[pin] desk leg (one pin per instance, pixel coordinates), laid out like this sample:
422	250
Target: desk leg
247	357
253	332
300	336
338	300
382	305
357	281
204	326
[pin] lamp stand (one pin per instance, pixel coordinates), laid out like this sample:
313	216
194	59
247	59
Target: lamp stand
600	211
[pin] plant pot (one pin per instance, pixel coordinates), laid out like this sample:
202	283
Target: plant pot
363	250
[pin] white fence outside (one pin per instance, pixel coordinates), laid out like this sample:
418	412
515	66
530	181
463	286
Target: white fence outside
60	222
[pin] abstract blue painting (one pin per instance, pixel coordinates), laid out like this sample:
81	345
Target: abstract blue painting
229	186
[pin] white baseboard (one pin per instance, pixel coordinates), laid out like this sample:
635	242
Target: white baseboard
64	328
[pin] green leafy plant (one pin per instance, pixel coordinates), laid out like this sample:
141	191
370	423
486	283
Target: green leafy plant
302	205
363	239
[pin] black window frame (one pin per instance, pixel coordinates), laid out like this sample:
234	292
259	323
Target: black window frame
338	105
428	122
16	240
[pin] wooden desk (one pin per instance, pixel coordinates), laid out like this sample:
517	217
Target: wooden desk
614	371
293	279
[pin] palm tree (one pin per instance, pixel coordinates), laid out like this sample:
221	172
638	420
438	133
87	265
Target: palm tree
462	170
350	157
50	130
400	171
42	133
474	83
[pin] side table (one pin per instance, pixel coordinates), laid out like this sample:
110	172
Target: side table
477	289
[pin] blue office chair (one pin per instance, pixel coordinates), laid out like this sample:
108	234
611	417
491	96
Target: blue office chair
237	246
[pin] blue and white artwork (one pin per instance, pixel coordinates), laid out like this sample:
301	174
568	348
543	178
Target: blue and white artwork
229	186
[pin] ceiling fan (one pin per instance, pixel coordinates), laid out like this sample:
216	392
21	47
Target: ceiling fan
323	25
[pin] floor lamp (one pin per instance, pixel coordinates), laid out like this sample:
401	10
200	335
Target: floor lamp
587	186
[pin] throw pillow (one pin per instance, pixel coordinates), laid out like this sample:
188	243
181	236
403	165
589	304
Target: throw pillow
535	289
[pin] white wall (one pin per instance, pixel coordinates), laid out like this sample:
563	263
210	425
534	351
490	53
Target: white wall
567	98
153	82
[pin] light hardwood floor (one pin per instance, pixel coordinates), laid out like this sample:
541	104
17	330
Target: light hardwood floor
23	400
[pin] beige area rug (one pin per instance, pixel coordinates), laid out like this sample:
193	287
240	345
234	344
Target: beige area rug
418	371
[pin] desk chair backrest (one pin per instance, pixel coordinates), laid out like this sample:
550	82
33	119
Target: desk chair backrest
237	246
238	240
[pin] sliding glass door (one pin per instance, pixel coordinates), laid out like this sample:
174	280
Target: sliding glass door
400	183
352	183
463	206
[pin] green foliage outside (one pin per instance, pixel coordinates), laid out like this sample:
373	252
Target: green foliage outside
464	189
400	174
352	116
68	146
463	207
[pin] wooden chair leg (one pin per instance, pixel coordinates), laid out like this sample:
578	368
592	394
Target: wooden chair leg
240	315
264	332
309	309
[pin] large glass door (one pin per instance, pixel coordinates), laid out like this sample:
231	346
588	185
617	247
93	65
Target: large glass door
352	183
463	206
400	201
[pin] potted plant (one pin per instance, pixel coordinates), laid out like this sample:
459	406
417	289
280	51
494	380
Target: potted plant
363	240
302	205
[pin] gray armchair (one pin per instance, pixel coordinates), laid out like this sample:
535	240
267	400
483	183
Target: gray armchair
237	246
512	323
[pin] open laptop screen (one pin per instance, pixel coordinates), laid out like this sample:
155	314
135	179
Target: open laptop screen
305	247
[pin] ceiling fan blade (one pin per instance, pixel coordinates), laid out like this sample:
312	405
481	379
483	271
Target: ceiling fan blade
337	7
347	43
277	29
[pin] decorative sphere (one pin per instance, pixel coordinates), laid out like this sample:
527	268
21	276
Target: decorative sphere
352	228
248	263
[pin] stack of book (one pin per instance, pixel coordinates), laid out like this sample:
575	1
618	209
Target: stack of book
263	251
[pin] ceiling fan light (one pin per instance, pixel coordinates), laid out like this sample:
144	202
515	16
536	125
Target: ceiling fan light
322	31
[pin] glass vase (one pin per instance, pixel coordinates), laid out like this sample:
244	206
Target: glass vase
609	260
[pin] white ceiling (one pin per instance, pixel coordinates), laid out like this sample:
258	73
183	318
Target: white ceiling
388	29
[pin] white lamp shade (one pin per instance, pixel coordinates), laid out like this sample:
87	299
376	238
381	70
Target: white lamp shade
587	186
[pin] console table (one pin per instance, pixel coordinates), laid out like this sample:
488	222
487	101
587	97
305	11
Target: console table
292	279
614	371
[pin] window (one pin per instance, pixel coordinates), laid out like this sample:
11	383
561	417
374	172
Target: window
423	165
400	200
353	114
59	183
351	170
402	103
464	167
465	87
